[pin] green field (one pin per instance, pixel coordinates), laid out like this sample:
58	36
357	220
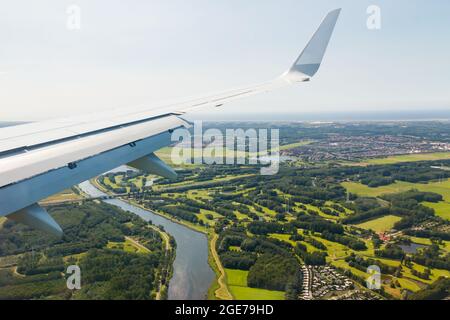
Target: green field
202	216
409	158
282	237
237	282
442	209
365	191
425	241
381	224
295	145
344	265
443	188
237	277
127	246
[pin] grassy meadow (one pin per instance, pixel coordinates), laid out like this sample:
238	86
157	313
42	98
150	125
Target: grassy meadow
441	187
382	224
237	282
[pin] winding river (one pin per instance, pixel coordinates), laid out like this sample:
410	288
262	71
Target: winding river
192	274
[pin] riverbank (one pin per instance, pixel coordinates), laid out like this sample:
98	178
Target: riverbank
161	294
218	288
186	224
192	273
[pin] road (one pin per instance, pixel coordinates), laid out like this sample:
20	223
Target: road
222	292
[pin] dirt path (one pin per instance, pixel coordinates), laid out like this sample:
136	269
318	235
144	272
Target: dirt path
139	245
168	247
164	236
17	273
222	292
2	221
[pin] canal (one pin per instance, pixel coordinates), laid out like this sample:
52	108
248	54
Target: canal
192	274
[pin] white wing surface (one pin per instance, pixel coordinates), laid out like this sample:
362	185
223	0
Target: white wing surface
42	158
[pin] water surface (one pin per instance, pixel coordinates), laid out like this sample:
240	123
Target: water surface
412	247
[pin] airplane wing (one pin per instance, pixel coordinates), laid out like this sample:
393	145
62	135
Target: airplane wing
40	159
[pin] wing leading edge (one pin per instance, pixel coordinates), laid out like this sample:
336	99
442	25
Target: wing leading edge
43	158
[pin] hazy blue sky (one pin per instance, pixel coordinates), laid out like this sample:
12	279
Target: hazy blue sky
138	52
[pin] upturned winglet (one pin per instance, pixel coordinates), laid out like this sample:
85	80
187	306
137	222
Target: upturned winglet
309	61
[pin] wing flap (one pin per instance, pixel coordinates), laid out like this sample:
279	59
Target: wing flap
36	217
153	164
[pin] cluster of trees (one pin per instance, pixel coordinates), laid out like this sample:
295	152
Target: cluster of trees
123	184
270	262
264	228
422	215
429	234
186	208
406	204
237	236
410	172
423	275
180	213
37	263
431	257
329	212
317	224
349	241
33	286
228	239
365	209
205	185
362	216
315	258
377	242
381	175
438	290
117	275
362	264
418	196
391	251
316	243
238	260
86	226
107	273
226	212
332	192
275	272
